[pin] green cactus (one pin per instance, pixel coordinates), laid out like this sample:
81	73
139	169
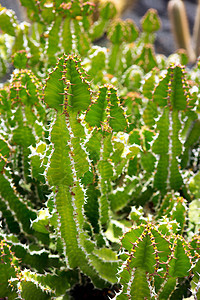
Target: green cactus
99	158
150	253
120	32
69	163
153	251
10	272
171	96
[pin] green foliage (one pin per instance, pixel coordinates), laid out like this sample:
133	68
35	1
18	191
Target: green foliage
99	158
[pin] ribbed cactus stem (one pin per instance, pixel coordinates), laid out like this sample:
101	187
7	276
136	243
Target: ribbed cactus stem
196	32
180	27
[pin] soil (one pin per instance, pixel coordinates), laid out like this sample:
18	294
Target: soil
89	292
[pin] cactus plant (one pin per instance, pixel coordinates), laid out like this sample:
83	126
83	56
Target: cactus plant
180	28
99	159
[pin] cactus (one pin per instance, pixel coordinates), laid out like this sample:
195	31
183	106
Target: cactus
180	27
151	253
196	31
9	269
120	32
70	163
171	95
99	159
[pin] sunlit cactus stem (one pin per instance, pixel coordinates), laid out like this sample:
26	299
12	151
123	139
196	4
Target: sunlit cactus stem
196	32
180	27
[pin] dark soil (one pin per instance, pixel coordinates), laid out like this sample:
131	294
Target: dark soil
87	291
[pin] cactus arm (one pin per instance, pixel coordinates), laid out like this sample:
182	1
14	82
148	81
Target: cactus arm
179	264
162	147
174	207
68	163
10	200
196	31
82	39
92	207
96	114
16	204
167	287
151	21
67	35
59	172
191	139
176	180
119	33
105	172
143	259
174	260
180	27
107	12
32	7
8	21
137	282
9	268
106	112
146	58
113	61
118	121
53	42
174	95
31	288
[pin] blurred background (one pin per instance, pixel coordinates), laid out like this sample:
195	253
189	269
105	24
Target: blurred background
135	9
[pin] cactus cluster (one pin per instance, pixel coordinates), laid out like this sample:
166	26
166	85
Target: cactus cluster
99	158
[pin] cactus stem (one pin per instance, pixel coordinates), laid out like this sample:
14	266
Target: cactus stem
180	27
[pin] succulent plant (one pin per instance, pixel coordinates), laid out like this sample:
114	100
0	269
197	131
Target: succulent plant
99	159
180	28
